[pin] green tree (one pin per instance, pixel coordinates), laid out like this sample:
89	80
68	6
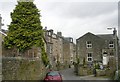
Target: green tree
25	29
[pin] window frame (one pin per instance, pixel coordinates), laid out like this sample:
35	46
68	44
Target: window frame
88	45
89	57
111	45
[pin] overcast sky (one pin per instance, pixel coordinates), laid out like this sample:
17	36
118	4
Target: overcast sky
73	18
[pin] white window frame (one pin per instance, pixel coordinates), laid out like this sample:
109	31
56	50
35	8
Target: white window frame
90	56
88	45
111	44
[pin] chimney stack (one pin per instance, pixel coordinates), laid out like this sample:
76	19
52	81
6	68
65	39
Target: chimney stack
59	33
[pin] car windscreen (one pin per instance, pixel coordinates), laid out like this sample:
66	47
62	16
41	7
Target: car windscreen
53	74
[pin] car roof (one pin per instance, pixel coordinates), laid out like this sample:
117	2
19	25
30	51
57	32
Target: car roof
53	73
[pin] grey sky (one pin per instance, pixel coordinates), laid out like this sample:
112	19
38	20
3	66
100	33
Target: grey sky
72	18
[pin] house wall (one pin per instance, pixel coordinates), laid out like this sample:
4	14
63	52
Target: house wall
74	53
66	52
96	49
60	49
69	51
49	44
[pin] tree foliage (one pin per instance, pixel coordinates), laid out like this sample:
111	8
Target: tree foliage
25	29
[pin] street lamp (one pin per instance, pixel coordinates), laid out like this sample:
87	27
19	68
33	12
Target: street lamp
116	48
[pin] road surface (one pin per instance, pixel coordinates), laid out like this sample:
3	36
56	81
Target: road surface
68	74
0	71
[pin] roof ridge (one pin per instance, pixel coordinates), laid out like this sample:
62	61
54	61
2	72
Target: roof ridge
104	34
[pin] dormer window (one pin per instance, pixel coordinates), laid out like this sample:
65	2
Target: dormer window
89	44
111	44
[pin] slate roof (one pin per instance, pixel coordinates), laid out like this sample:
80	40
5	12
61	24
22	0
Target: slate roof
89	33
106	36
102	36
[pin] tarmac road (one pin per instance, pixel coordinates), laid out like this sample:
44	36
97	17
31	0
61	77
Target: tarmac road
68	74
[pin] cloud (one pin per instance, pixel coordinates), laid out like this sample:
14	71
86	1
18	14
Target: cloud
77	18
72	18
5	9
80	9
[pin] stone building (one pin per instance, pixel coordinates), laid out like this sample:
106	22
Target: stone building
59	49
69	52
96	48
56	54
74	53
54	46
49	44
60	46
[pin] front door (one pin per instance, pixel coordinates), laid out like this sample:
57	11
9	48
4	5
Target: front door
105	59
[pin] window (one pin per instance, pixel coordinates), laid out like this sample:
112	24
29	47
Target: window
111	44
89	57
89	44
49	33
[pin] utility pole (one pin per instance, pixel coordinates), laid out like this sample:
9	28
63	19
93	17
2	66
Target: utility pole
116	49
1	48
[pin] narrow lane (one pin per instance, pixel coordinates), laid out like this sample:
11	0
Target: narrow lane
68	74
0	71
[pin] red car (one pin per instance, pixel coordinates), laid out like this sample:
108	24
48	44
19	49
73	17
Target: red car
53	76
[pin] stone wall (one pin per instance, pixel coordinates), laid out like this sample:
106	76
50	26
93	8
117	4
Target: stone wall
17	68
84	71
14	52
110	73
100	72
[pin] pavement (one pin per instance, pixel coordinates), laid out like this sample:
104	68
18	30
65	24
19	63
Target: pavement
92	77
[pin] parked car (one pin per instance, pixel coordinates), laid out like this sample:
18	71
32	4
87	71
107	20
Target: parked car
53	75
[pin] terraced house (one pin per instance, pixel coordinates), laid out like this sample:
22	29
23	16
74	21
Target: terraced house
59	48
69	49
96	48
